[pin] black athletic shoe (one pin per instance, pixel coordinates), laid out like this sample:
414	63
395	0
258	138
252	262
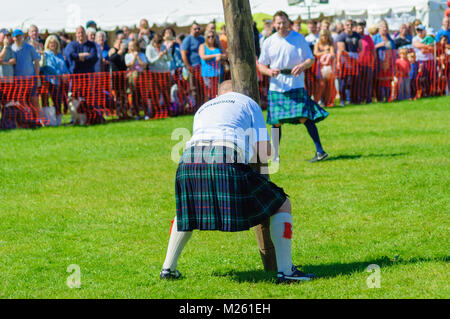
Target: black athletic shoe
169	274
296	276
319	157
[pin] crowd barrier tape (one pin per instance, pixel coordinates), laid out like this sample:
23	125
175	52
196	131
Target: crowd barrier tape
96	97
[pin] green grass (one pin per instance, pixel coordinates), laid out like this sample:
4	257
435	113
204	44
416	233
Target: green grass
102	197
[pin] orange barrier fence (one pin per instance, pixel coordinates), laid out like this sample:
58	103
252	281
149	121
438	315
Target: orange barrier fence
92	98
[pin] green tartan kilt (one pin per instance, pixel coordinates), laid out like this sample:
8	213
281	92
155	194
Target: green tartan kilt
214	194
290	106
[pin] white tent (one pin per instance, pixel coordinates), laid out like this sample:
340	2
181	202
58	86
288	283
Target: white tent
55	15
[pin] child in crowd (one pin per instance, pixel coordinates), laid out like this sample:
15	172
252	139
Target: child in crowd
385	79
415	67
402	70
443	64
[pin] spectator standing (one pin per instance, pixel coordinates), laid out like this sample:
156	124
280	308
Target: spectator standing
313	35
7	62
267	31
102	51
159	64
403	39
34	39
192	61
425	57
136	63
311	73
81	54
118	67
27	66
415	69
173	48
145	34
54	67
336	30
126	34
445	30
384	46
366	64
348	45
7	55
402	70
211	64
324	51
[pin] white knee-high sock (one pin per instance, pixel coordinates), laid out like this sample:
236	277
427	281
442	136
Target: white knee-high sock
281	234
177	242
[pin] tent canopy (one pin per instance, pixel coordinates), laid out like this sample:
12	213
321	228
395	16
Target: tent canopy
55	15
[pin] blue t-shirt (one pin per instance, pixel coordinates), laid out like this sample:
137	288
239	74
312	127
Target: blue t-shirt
191	44
25	57
442	32
211	68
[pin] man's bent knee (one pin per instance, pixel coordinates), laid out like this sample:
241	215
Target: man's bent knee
285	208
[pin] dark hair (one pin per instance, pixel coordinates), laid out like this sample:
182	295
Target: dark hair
157	38
281	14
168	28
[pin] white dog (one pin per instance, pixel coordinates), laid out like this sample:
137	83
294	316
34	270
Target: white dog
74	104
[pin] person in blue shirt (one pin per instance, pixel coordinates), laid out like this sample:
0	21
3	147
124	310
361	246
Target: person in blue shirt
81	54
192	61
54	68
27	67
211	64
445	30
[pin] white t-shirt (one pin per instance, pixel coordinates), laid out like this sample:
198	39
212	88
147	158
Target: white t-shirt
285	53
136	67
232	117
419	54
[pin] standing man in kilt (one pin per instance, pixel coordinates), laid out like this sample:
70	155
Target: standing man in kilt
216	189
285	56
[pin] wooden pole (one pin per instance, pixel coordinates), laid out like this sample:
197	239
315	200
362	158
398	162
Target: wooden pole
242	57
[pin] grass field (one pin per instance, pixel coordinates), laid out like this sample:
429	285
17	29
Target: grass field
102	197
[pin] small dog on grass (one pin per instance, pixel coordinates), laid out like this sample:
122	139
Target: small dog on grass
74	104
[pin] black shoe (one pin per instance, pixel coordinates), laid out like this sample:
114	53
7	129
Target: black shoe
296	276
169	274
319	157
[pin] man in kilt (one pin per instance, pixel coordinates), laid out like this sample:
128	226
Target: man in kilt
216	189
285	56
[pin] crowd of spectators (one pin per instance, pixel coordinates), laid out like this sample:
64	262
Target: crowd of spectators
164	73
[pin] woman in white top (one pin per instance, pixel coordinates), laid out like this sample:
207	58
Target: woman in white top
160	76
136	64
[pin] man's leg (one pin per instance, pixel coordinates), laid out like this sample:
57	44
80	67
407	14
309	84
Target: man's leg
177	242
314	134
276	139
281	229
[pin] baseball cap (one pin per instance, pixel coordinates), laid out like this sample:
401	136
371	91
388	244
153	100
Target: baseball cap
420	27
17	32
5	31
90	22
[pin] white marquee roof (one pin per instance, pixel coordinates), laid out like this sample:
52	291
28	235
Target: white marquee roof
55	15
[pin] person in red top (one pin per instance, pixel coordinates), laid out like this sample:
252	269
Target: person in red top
402	69
366	64
447	11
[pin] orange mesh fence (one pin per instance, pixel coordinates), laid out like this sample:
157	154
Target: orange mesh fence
27	102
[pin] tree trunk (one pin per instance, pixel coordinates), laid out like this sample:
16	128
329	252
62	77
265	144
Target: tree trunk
242	57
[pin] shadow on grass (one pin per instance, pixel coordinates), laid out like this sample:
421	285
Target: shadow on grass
358	156
326	270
